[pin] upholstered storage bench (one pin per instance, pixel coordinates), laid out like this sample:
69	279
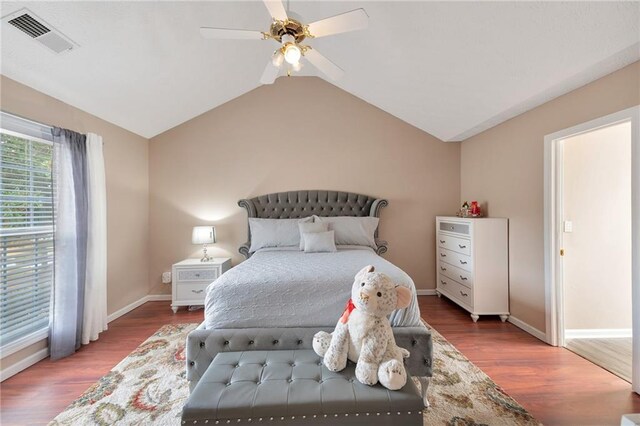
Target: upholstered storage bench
203	345
293	387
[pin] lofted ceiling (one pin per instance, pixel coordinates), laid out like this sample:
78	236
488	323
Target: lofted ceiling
452	69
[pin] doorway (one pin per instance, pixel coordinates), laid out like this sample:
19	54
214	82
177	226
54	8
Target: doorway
594	194
592	241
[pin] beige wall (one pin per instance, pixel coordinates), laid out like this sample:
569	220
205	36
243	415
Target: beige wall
126	166
300	133
597	200
503	167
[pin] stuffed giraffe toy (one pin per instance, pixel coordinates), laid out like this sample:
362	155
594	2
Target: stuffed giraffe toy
363	334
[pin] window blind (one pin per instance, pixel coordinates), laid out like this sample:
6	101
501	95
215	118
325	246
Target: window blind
26	227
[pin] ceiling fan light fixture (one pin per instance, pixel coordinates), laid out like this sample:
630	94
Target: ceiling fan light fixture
278	58
290	49
292	54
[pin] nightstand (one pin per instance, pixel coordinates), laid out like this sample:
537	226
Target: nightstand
191	278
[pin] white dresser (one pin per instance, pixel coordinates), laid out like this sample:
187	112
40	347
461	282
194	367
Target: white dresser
472	263
191	278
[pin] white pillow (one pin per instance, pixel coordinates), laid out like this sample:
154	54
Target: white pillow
317	242
311	227
352	230
274	232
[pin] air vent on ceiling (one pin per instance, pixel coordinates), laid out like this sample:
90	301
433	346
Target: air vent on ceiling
27	24
36	28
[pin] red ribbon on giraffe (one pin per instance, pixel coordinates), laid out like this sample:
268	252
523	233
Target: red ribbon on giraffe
347	311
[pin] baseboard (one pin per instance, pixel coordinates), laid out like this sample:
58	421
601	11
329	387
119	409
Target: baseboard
597	333
158	297
131	306
528	328
23	364
426	292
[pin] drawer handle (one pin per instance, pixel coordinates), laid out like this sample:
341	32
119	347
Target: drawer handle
442	241
453	227
463	278
197	291
464	262
461	246
197	275
443	255
443	282
442	268
464	294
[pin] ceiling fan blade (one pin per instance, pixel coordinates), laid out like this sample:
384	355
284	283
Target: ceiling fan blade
270	73
327	67
276	9
345	22
225	33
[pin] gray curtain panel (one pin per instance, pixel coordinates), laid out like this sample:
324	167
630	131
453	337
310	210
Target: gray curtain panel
70	242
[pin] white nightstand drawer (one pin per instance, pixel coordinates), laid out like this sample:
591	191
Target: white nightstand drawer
459	245
195	291
193	274
456	259
191	278
458	274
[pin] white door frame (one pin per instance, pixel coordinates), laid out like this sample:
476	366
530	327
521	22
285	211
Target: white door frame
553	227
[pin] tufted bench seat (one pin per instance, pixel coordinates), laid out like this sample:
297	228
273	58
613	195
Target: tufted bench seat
293	387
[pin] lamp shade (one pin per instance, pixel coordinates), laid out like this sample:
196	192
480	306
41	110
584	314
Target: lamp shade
203	235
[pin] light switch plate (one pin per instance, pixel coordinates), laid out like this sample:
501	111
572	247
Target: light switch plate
568	226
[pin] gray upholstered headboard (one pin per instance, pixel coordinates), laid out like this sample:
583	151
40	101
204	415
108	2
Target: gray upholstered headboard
294	204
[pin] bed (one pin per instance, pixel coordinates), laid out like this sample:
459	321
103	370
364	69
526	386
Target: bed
280	297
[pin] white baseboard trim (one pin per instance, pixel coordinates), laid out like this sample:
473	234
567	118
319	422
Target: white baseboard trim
426	292
23	364
158	297
597	333
131	306
528	328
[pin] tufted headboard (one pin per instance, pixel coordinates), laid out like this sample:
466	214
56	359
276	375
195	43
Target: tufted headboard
295	204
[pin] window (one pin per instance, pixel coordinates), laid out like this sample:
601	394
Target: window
26	228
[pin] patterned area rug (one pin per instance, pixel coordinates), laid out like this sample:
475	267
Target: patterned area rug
149	387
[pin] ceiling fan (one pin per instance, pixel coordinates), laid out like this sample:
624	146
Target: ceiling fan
290	32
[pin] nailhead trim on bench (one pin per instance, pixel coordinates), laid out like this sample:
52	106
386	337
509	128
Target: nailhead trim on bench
228	421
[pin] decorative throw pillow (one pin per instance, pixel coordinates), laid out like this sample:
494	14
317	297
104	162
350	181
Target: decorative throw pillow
352	230
310	227
318	242
275	232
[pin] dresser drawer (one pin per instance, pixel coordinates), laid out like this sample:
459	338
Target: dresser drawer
459	245
192	291
460	260
193	274
456	291
455	228
458	274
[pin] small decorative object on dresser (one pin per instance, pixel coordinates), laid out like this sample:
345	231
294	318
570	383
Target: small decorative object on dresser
191	278
472	264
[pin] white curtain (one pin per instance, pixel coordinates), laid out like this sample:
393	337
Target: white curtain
95	295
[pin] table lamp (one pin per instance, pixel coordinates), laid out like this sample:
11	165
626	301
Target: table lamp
203	235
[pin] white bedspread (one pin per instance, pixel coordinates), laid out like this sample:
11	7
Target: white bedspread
290	288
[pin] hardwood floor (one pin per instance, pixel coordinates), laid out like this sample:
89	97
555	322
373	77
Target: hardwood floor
557	386
612	354
39	393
